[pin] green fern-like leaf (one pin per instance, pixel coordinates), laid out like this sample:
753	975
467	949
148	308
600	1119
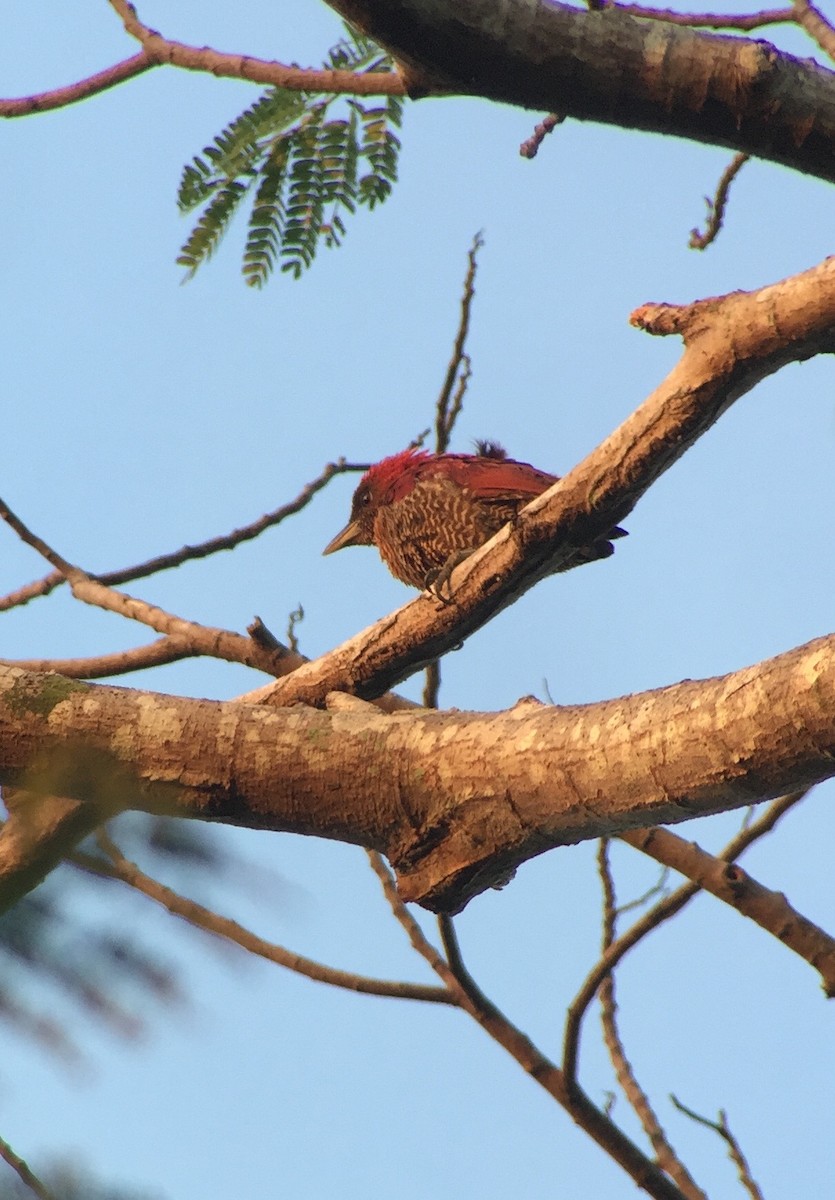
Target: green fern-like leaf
303	165
266	221
355	52
379	148
305	203
196	185
206	236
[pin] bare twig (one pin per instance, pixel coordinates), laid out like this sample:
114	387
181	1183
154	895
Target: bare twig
716	206
24	1172
530	147
256	70
540	1068
158	51
663	911
450	400
635	1094
295	618
60	97
217	643
415	934
737	1157
120	868
164	562
741	21
657	889
140	658
728	882
813	21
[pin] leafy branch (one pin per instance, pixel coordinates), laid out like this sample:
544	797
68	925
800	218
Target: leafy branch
306	158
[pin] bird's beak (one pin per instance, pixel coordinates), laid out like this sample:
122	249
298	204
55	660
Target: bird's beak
349	536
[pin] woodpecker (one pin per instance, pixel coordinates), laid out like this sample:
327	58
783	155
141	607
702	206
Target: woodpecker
426	512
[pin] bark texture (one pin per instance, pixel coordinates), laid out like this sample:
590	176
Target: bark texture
612	67
455	800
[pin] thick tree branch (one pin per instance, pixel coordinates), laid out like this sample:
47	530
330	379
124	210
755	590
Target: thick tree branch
612	67
454	800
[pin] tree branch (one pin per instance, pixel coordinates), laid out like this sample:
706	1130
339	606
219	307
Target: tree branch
731	343
742	21
665	1154
496	1025
218	643
60	97
663	911
175	558
121	868
815	24
610	66
730	883
455	800
242	66
99	666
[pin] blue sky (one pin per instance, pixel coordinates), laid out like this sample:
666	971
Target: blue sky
140	414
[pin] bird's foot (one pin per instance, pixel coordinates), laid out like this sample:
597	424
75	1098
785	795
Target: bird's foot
437	583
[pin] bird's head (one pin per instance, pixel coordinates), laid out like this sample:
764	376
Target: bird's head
384	483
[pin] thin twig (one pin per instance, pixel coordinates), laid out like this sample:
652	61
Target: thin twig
737	1157
667	1158
164	562
813	21
729	883
120	868
241	66
716	206
530	147
663	911
450	401
295	618
657	889
216	643
540	1068
140	658
60	97
742	21
24	1172
447	411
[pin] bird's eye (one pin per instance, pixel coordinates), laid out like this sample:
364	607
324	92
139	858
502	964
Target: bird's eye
365	497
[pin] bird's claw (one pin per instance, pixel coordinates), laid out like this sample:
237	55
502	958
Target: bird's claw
434	584
437	584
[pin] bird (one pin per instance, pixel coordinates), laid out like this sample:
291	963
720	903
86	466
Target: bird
427	512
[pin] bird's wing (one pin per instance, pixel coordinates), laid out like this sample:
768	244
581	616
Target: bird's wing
491	479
